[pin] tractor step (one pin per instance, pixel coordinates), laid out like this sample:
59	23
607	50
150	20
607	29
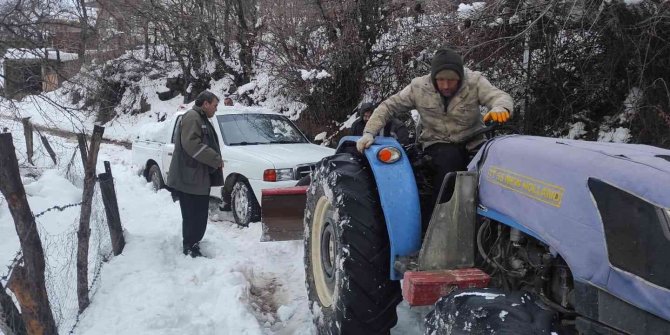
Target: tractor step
420	288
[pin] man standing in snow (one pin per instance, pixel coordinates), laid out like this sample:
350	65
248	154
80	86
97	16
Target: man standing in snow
227	101
394	128
196	166
448	101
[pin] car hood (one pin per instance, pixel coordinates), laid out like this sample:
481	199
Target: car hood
287	155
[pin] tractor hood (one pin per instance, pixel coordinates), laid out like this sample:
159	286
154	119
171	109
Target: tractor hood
604	207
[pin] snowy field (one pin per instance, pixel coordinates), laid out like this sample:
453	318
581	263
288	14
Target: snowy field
242	287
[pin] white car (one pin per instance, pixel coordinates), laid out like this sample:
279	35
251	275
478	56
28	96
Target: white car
260	149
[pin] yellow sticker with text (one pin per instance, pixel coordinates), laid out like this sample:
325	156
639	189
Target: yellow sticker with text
533	188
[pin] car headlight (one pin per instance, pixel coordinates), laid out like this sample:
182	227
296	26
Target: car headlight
277	174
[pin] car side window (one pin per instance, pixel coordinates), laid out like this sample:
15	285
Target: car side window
176	126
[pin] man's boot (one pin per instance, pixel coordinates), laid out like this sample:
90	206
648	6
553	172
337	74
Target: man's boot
193	250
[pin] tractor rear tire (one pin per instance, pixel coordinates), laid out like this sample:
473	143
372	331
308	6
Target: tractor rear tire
347	251
489	311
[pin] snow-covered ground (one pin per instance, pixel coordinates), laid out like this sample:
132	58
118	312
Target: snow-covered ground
242	287
46	111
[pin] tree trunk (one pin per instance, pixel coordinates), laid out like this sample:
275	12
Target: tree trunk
84	232
246	40
145	30
221	67
106	181
27	281
83	21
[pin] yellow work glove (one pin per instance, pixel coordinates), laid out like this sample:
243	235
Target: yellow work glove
364	142
497	114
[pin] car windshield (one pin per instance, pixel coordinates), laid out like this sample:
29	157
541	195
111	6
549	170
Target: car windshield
246	129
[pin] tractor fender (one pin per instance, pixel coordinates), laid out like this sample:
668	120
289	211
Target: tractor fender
399	198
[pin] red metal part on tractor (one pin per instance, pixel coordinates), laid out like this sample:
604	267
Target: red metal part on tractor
420	288
295	190
282	210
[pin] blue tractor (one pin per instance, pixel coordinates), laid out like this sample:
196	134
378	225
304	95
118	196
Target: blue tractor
567	236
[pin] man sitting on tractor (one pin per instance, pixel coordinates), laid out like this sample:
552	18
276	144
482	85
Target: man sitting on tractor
448	102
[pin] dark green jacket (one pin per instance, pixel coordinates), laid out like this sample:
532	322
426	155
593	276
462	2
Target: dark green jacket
197	155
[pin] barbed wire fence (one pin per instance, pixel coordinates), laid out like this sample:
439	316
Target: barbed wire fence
58	226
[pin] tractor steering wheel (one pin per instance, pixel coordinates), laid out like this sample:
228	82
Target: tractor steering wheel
491	129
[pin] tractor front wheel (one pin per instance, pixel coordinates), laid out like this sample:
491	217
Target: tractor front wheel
347	251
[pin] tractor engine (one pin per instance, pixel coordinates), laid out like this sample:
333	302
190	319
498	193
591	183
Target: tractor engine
517	261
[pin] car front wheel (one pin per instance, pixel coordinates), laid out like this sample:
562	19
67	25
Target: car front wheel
156	178
243	203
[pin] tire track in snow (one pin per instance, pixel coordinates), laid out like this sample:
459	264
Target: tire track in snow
274	271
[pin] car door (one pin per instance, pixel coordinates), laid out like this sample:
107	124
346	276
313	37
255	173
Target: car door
168	149
216	191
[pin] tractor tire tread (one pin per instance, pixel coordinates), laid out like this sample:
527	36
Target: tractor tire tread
368	299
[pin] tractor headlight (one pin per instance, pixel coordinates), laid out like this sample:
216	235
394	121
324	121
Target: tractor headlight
277	174
389	155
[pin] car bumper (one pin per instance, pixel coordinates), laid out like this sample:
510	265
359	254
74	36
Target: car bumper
257	186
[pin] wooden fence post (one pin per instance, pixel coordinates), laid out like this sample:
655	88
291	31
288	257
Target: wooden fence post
28	132
106	182
27	281
84	232
83	150
50	150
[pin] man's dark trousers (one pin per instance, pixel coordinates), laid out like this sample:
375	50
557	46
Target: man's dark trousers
194	213
446	157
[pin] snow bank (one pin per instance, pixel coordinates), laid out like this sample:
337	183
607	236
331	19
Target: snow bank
486	295
39	54
349	122
320	136
618	135
313	74
465	10
577	130
156	132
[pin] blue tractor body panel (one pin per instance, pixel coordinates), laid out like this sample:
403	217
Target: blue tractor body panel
544	187
399	197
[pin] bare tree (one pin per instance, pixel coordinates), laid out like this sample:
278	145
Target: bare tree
27	281
336	36
602	64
